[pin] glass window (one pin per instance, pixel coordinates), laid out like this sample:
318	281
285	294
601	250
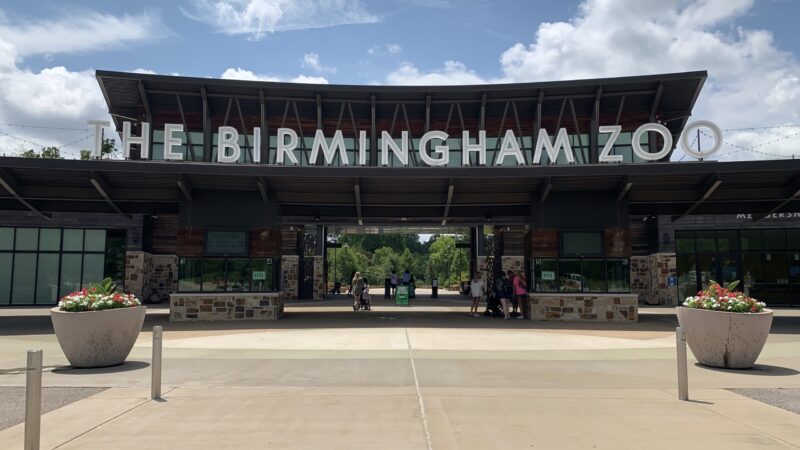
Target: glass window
5	277
27	239
727	240
544	275
570	278
226	243
594	275
238	274
189	274
687	275
752	269
263	275
684	242
751	239
794	268
793	239
115	257
70	272
6	238
214	275
49	239
24	280
776	268
73	240
705	241
47	279
581	243
95	241
774	239
93	267
619	275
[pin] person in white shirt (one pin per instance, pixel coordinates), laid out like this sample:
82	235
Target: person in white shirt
476	288
393	281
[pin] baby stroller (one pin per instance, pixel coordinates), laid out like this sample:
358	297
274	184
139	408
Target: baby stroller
365	302
337	288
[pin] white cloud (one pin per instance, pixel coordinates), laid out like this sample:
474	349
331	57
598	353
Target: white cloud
751	81
257	18
453	72
388	49
247	75
311	61
80	32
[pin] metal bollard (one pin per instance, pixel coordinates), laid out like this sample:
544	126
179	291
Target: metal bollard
33	400
155	364
683	375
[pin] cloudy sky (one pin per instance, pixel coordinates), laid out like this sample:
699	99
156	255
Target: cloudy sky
50	49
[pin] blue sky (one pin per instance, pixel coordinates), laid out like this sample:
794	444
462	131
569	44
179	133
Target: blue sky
49	49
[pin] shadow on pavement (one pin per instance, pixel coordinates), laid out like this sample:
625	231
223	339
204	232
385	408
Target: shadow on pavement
758	369
127	366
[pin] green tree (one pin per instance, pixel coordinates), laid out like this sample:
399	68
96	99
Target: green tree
109	146
45	153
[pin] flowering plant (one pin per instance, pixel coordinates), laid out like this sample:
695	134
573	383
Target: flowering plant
718	298
97	297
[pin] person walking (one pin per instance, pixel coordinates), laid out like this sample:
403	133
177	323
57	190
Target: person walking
521	293
503	293
393	280
476	288
352	277
358	290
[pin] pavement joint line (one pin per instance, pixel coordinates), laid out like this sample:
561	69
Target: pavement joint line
423	414
109	420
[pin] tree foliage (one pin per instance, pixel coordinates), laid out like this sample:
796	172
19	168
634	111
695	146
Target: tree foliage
45	153
109	146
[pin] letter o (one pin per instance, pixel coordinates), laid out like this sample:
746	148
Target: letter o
636	143
694	126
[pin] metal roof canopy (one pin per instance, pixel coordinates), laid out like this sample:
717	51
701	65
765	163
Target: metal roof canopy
388	195
578	105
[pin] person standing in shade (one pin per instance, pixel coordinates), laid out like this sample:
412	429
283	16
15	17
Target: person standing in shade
406	277
412	288
393	280
503	293
358	290
521	293
476	290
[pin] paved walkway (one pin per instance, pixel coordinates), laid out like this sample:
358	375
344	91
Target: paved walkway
422	377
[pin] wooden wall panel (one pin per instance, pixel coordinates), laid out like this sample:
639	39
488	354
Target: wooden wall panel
513	241
265	242
544	243
289	240
165	234
618	242
190	242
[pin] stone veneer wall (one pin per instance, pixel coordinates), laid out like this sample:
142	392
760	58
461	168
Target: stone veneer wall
225	306
147	274
649	278
584	307
319	278
290	270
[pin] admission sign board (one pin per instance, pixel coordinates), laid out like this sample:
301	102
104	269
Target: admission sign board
401	297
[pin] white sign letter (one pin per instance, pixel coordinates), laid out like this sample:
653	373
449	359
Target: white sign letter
694	126
362	148
562	141
98	125
605	155
636	143
510	147
401	152
468	148
285	148
172	141
442	150
228	138
337	145
143	140
257	145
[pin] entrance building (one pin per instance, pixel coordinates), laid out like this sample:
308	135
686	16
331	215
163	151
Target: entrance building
222	202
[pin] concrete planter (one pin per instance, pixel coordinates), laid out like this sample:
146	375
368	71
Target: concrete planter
724	339
98	338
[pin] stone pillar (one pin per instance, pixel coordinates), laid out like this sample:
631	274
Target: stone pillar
135	273
319	278
290	271
147	274
649	278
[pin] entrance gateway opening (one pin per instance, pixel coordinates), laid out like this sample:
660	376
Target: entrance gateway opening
224	239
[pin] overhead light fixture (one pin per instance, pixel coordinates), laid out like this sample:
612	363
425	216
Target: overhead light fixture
316	217
404	219
488	216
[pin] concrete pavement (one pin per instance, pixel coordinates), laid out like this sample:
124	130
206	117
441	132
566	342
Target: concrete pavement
422	377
